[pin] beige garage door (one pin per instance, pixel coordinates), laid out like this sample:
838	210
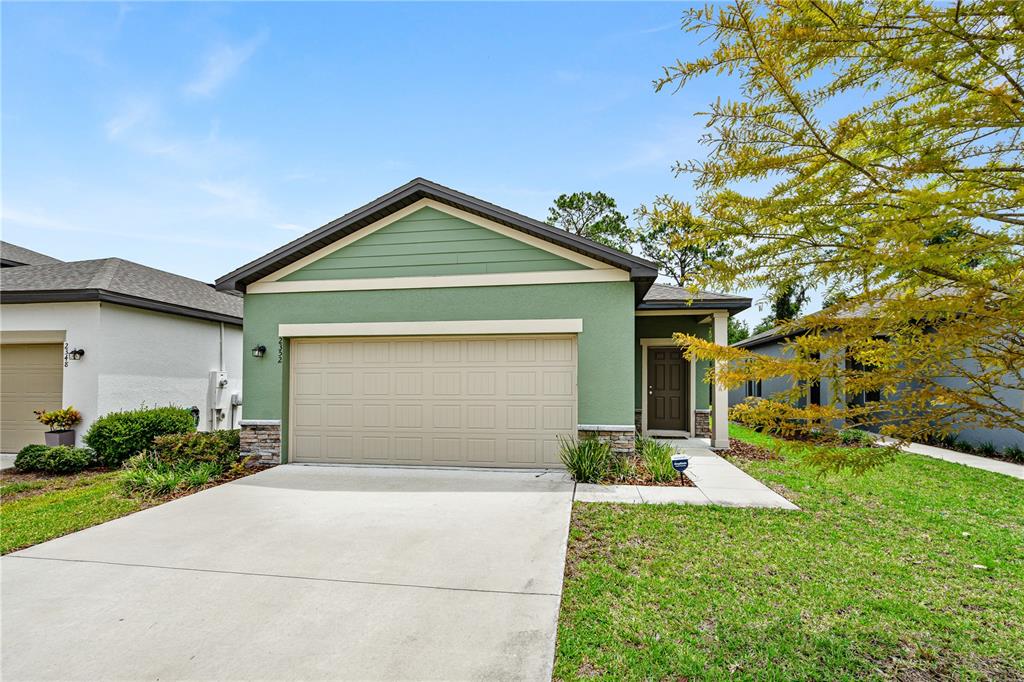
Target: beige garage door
455	401
31	378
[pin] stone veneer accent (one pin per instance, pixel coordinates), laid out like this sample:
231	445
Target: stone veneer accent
702	424
620	438
261	438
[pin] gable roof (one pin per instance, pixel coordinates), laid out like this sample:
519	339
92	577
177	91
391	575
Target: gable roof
671	297
641	271
13	255
114	280
766	337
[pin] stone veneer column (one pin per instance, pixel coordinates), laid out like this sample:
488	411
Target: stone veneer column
702	423
620	436
261	438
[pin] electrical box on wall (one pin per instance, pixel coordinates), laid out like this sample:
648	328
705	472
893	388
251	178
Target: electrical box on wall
218	400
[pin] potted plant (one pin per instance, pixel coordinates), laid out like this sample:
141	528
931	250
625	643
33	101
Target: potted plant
62	425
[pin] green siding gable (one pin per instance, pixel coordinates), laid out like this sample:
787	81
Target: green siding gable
431	242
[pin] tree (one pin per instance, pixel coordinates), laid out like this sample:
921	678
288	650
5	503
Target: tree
666	235
786	306
875	153
593	215
738	330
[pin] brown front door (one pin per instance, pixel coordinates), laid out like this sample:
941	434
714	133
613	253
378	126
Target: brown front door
666	392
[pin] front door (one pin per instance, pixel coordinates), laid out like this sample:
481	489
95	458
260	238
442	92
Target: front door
666	394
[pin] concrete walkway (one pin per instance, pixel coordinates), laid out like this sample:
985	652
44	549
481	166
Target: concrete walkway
716	480
987	463
302	573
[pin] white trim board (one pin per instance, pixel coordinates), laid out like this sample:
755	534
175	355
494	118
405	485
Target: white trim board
439	281
560	251
676	313
433	328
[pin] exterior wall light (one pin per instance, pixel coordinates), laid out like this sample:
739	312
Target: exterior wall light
76	354
259	351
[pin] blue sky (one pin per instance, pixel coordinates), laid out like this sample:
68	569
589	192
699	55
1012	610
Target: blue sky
195	137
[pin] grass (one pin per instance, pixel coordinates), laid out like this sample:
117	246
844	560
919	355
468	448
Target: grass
910	572
58	506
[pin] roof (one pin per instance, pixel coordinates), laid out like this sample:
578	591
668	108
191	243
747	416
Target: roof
643	272
12	255
670	297
114	280
766	337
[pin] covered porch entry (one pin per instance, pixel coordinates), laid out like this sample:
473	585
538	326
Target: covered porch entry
673	397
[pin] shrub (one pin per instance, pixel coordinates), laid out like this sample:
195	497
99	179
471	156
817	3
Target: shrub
856	437
64	460
621	468
657	457
117	436
29	457
587	460
221	447
59	420
987	449
1014	453
145	473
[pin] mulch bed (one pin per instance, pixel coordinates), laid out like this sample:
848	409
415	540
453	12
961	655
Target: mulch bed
643	477
752	453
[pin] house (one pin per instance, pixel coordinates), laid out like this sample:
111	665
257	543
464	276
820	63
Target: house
431	327
106	335
774	342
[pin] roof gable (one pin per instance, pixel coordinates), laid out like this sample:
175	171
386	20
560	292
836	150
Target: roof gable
427	242
641	271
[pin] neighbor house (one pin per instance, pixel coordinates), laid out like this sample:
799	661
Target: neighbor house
109	334
775	343
430	327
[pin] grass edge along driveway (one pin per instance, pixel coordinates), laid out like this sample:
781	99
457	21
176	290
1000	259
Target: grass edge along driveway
913	571
64	504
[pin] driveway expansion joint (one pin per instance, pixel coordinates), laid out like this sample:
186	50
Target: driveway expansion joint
285	576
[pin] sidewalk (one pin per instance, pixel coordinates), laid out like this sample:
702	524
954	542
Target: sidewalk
987	463
716	480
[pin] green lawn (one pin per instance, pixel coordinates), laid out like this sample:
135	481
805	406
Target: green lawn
914	571
62	505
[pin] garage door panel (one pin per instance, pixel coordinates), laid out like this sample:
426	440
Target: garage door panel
31	378
478	401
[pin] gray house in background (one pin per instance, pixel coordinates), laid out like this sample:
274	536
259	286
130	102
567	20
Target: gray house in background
774	343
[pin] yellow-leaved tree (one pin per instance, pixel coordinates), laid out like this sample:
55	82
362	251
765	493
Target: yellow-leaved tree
874	154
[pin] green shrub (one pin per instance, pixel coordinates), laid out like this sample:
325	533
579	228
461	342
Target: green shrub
856	437
657	457
221	447
65	460
587	460
987	449
1014	453
117	436
148	475
621	468
29	457
200	474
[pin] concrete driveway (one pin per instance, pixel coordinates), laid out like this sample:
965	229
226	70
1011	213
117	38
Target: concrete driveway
302	573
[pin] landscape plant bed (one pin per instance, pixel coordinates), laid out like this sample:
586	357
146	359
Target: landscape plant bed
640	475
749	452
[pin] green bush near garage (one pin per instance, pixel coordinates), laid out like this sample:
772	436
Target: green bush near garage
54	460
119	435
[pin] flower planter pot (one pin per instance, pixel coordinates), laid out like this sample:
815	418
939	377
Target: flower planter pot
65	437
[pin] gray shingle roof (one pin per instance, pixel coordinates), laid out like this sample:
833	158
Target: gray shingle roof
642	271
670	296
118	281
12	254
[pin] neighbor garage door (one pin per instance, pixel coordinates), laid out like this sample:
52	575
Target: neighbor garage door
31	377
453	401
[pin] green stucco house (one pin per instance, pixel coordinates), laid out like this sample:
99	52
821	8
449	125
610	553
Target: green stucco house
429	327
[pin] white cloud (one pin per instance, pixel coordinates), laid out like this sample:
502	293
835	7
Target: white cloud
221	64
289	227
235	198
